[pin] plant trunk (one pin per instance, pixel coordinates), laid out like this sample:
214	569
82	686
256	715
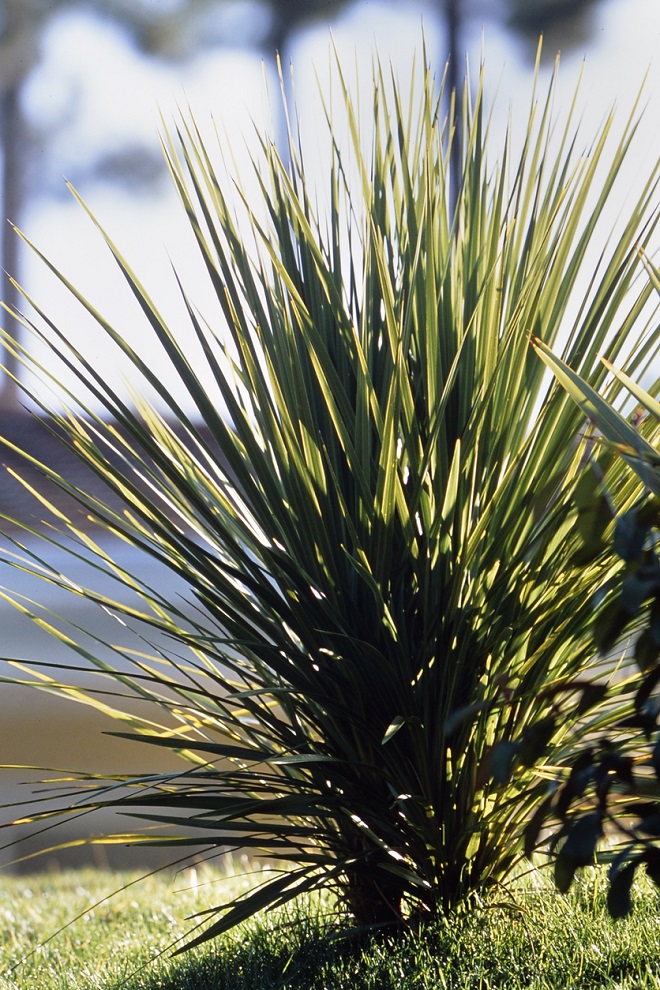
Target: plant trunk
375	901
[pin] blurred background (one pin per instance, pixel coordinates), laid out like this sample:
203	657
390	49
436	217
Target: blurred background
85	88
83	85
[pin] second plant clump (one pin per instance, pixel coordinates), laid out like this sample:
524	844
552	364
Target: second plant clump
614	779
372	506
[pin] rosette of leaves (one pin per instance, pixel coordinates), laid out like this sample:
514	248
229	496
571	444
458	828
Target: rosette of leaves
615	783
372	506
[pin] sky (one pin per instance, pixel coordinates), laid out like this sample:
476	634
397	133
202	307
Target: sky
95	94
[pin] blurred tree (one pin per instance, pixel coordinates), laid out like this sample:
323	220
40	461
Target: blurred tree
565	24
20	23
157	27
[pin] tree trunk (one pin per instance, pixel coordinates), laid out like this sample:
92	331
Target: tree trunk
12	137
454	86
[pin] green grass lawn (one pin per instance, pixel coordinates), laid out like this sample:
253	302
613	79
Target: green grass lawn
548	941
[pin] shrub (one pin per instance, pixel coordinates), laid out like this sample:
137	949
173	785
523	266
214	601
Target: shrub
372	507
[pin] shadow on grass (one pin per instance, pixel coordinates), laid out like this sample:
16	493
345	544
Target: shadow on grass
290	957
541	940
260	962
481	952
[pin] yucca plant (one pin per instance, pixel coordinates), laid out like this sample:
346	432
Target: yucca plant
372	506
